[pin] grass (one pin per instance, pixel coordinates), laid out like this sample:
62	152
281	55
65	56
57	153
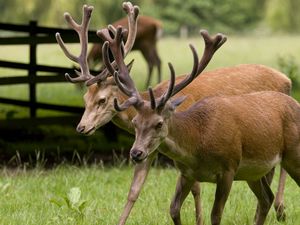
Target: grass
30	197
26	196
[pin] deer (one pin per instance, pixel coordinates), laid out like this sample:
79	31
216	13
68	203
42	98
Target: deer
102	89
218	139
148	32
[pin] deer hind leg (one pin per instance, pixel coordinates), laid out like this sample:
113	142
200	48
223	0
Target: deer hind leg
157	62
198	209
291	163
183	187
265	197
146	52
224	183
278	203
293	169
151	56
149	77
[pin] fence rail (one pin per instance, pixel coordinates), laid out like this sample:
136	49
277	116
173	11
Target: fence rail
34	35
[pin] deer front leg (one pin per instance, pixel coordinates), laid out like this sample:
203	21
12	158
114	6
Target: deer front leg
140	173
198	209
183	187
224	183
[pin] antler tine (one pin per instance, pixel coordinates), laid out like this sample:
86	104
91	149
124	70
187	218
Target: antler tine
82	31
152	98
188	79
165	97
132	12
126	85
129	102
212	44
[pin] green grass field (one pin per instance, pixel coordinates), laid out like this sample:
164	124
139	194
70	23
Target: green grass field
37	197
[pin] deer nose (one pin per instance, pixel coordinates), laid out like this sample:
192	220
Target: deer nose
136	154
80	128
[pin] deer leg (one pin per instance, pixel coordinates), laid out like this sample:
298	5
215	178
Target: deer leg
279	202
265	197
150	69
291	164
224	183
269	176
198	209
140	173
158	64
183	187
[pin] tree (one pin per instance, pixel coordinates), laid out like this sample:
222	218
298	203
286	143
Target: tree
224	15
283	15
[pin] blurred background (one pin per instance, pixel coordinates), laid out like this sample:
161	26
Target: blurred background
228	16
259	31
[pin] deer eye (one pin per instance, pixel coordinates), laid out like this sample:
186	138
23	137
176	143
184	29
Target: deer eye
101	101
159	125
133	122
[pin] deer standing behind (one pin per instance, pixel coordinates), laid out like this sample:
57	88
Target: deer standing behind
148	32
218	139
99	98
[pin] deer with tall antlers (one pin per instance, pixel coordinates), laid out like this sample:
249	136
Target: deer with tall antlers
218	139
148	32
102	90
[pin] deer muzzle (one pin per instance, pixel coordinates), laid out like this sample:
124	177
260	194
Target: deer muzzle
137	155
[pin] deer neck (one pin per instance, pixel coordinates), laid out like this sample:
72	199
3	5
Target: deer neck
185	132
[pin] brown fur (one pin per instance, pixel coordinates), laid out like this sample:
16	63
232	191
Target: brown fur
225	81
224	138
234	80
148	30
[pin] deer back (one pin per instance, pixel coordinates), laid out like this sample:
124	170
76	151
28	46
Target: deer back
240	79
252	122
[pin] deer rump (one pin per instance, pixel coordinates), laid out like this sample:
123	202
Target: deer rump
250	133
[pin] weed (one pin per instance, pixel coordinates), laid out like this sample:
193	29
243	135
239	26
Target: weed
72	203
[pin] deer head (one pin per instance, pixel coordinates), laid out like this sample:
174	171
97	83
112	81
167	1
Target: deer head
100	88
151	121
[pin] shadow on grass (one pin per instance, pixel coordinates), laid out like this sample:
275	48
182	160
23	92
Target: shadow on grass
50	145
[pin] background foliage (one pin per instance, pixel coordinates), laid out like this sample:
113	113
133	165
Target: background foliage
222	15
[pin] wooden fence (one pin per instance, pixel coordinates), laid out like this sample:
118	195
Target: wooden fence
34	35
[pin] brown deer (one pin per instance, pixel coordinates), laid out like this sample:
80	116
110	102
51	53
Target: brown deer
148	32
99	97
218	139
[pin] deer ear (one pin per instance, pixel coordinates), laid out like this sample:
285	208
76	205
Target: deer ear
129	65
177	101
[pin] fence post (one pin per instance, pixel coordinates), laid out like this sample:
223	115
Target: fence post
32	68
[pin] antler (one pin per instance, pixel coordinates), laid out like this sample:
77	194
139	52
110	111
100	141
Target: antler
110	35
122	78
82	31
212	44
126	84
